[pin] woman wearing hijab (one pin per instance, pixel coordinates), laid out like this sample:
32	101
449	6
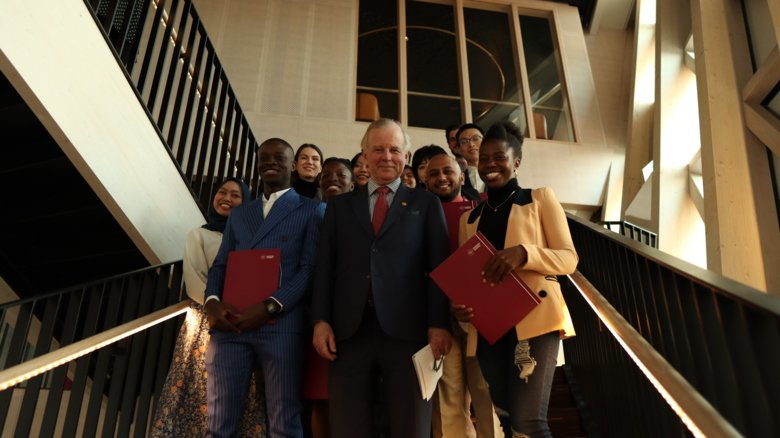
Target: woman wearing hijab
182	406
530	233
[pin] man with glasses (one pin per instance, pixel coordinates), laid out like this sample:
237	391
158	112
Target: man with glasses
469	140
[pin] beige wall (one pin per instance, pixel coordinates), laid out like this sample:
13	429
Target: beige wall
675	218
6	293
743	241
292	64
608	51
720	205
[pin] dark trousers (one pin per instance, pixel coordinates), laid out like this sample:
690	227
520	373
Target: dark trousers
352	382
521	405
230	360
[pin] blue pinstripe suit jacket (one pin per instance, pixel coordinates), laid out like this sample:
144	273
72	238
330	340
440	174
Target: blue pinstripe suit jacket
293	225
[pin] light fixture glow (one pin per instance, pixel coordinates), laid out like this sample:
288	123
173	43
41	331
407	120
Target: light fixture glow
41	364
656	368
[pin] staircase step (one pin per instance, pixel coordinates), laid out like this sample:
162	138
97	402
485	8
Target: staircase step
562	414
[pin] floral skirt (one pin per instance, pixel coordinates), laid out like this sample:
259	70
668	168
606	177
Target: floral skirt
181	410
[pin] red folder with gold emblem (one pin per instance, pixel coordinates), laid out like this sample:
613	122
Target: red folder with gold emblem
252	275
497	308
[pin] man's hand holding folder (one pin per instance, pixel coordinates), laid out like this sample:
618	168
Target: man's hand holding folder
251	277
472	279
221	316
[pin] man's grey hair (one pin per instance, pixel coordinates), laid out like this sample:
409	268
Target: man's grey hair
385	123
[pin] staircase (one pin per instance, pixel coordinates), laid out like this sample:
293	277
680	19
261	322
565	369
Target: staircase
563	415
55	232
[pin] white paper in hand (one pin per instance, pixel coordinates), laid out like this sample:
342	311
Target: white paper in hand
428	371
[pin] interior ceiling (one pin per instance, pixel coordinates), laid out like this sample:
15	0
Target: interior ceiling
586	8
57	233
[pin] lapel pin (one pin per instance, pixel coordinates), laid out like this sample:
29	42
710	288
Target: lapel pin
403	203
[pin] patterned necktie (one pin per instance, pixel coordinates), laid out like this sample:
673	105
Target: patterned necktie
380	209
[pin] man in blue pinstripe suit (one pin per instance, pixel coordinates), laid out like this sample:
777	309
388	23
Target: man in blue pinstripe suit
242	342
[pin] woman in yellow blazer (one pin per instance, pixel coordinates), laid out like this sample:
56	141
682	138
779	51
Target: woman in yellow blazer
529	230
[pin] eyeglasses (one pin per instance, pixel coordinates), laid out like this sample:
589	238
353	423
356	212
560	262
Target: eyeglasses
474	139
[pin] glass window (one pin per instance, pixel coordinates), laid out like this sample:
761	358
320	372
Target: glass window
772	101
432	65
429	91
377	73
491	60
550	107
772	104
760	30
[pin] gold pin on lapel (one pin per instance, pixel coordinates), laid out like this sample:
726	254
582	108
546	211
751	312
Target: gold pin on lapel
403	203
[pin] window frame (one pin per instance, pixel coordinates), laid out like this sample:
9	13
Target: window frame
514	8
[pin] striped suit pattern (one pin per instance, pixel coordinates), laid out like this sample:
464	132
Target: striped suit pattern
293	225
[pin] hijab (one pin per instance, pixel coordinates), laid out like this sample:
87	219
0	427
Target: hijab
216	222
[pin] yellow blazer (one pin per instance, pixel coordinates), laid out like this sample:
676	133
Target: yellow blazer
537	222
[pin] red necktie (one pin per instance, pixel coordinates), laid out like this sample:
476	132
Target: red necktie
380	209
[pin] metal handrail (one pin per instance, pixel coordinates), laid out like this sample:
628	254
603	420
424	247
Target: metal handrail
44	346
84	285
39	365
709	279
718	334
695	411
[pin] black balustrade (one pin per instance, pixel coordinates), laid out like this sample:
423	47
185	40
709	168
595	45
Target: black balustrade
633	232
172	64
720	335
108	392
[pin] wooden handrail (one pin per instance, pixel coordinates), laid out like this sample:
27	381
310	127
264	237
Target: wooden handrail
695	411
38	365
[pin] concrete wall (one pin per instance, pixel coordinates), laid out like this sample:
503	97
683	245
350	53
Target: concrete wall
57	59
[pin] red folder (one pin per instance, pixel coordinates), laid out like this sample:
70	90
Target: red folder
452	212
252	276
496	309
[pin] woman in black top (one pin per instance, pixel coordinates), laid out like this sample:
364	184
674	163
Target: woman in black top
308	165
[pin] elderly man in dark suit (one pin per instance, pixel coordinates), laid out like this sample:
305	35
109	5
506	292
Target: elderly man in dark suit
373	303
242	341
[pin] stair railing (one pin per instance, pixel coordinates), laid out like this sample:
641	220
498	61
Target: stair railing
173	66
718	335
632	231
89	359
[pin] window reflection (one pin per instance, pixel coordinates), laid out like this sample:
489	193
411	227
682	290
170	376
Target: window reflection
548	99
433	76
432	65
491	60
760	30
488	113
377	72
772	101
433	112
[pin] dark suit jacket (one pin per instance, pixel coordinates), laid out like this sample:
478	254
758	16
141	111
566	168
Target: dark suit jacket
393	265
467	190
293	225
